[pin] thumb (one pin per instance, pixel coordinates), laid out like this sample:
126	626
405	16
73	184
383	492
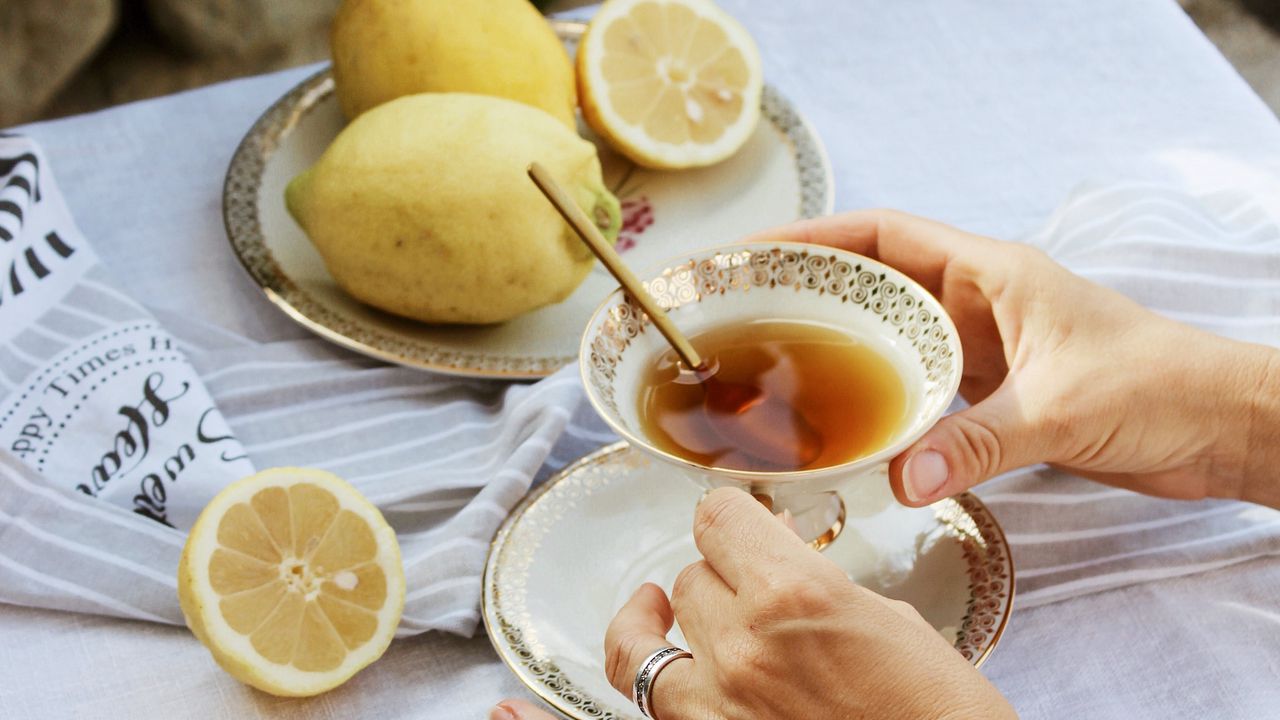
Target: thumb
639	629
966	448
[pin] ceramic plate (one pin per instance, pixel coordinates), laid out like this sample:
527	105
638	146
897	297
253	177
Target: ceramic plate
781	175
577	547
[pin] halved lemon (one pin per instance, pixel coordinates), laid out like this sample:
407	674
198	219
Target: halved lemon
293	581
669	83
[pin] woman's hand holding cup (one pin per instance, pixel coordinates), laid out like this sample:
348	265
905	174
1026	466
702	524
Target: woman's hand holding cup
1060	370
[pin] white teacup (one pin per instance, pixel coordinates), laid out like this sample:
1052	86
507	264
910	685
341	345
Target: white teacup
725	285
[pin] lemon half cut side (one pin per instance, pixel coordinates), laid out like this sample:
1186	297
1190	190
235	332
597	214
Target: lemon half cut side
669	83
293	580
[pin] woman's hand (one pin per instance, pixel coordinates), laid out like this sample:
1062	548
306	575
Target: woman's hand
1064	371
1057	370
778	631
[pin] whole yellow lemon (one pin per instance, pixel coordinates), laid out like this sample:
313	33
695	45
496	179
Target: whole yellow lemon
383	49
422	207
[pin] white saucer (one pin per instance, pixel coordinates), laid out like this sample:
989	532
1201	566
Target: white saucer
577	547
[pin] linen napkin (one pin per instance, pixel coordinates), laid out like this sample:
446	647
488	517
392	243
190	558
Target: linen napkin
97	397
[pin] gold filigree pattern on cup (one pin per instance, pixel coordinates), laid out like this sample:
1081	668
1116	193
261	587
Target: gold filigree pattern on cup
242	218
510	626
862	288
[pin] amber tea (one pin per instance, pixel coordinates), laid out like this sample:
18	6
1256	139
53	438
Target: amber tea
824	399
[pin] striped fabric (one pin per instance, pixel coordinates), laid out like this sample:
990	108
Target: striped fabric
446	459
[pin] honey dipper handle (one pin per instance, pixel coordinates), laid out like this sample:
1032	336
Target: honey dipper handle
590	235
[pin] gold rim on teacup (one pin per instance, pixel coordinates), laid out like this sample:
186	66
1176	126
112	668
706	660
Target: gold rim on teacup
863	284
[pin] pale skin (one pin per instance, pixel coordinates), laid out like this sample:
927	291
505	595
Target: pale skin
1057	370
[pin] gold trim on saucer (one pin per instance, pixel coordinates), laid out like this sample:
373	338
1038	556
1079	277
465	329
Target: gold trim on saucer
991	576
510	628
240	212
521	654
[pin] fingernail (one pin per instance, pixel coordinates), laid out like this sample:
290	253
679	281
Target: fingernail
924	475
502	711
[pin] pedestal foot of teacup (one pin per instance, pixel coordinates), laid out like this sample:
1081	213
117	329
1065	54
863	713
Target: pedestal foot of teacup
818	518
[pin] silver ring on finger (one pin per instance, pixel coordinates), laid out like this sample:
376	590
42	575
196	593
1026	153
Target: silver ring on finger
642	689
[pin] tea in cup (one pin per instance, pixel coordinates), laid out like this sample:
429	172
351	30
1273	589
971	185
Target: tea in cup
845	361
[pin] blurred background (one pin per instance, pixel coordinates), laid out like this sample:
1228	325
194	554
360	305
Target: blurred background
74	56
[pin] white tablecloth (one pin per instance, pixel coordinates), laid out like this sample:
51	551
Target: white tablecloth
983	114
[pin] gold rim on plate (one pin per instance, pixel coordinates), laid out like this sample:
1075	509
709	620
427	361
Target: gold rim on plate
964	517
242	219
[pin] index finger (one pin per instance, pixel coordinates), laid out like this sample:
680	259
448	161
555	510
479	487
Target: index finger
742	540
918	247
